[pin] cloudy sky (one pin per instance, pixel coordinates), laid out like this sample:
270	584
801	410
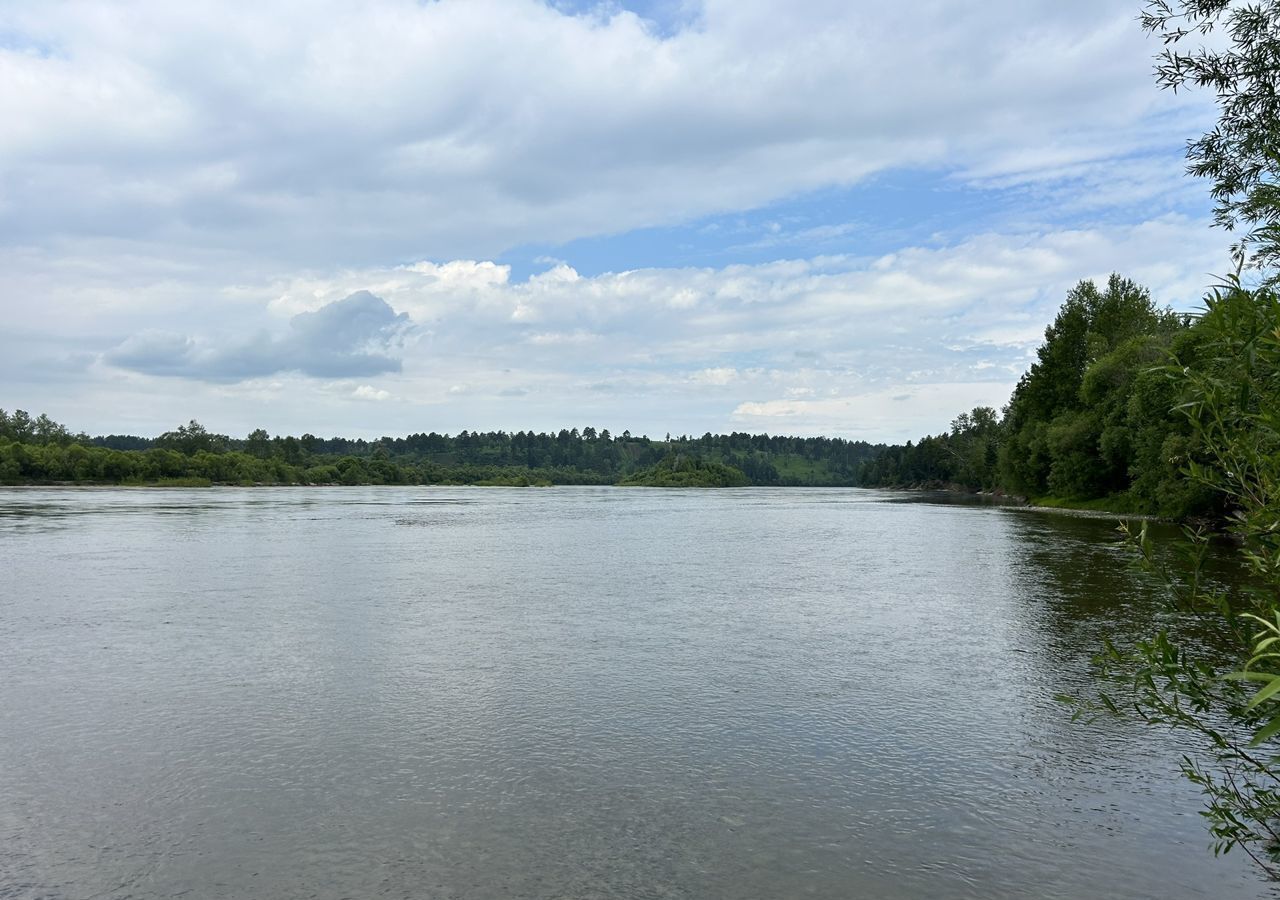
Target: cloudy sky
823	217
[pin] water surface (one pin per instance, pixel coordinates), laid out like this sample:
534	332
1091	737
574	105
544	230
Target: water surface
572	693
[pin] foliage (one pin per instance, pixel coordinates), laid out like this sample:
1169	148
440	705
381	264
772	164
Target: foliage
39	450
1239	154
192	438
964	457
22	428
1068	430
1214	670
680	470
1091	420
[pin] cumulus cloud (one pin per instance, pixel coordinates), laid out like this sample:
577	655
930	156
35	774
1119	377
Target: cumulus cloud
348	338
984	299
465	344
369	392
886	347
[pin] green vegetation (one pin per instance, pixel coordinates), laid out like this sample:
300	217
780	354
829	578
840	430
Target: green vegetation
1091	425
1213	671
1117	503
963	458
678	470
1238	155
40	451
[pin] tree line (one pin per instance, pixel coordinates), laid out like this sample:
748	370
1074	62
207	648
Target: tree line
39	450
1096	418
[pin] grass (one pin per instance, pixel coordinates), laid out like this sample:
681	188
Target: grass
1121	504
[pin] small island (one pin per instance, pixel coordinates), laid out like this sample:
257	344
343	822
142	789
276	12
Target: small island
679	470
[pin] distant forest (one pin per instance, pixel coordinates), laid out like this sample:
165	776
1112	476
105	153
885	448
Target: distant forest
38	450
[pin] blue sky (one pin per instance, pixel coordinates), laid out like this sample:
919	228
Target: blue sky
819	218
887	212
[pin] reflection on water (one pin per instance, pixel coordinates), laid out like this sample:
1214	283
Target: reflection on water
452	692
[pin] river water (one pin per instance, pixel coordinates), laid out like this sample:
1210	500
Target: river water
572	693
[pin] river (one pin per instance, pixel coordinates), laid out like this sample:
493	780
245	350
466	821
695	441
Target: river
573	693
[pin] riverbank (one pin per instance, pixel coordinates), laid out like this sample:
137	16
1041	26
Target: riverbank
1116	504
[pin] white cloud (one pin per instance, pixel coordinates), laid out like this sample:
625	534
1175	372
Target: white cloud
914	413
718	377
369	392
815	345
553	338
356	335
322	132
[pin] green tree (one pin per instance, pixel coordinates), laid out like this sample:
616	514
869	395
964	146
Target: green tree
1053	423
1239	154
20	427
191	439
291	450
1223	686
46	431
1229	392
258	444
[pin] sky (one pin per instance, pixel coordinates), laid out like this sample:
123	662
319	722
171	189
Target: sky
670	216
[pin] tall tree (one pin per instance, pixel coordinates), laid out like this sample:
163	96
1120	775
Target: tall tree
1239	155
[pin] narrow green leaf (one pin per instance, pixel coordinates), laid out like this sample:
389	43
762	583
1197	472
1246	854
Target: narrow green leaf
1266	693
